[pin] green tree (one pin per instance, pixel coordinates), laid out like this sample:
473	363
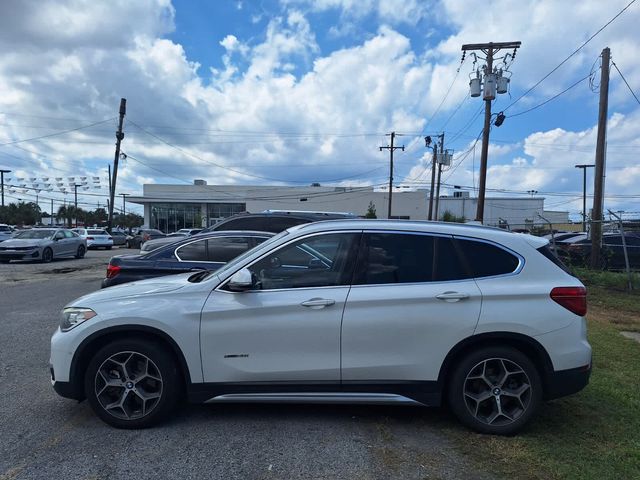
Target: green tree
21	213
371	211
447	216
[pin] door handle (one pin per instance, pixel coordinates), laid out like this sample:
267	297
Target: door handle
452	296
317	303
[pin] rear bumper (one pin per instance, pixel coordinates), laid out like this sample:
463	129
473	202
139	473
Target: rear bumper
566	382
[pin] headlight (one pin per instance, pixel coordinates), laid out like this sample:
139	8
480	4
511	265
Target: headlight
73	316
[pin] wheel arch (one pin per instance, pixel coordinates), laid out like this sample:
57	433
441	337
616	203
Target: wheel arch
97	340
523	343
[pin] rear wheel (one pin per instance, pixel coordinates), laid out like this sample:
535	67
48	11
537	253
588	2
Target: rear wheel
80	252
108	248
495	390
132	383
47	255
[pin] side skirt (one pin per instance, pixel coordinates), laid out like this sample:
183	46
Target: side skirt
383	392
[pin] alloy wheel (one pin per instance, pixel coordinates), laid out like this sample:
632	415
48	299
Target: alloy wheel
497	391
128	385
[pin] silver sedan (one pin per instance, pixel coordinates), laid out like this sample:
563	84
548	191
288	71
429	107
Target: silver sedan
43	244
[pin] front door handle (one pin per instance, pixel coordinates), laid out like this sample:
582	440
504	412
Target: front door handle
452	296
317	303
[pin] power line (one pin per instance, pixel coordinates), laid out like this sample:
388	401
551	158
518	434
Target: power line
570	55
62	132
549	99
625	81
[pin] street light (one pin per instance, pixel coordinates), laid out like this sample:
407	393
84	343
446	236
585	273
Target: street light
584	194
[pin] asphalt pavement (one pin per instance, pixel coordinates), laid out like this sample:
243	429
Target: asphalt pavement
47	437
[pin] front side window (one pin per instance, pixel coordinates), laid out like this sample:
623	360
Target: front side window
318	261
193	252
389	258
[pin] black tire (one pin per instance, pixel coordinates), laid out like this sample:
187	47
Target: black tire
161	364
81	251
108	248
129	245
478	415
4	260
47	255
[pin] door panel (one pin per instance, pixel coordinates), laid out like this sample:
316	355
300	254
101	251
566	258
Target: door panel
267	335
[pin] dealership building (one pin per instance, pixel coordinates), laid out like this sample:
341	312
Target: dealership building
171	207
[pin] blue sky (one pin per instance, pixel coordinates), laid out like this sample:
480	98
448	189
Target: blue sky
291	92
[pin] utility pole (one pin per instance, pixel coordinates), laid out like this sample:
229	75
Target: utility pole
2	172
598	189
391	148
124	207
491	77
51	218
441	160
75	202
584	194
119	137
433	176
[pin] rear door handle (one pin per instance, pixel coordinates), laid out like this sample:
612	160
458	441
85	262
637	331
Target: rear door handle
317	303
452	296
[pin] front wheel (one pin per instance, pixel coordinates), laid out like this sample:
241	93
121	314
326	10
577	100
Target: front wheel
495	390
47	255
132	383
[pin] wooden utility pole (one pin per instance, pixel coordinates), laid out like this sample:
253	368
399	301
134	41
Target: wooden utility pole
441	159
598	187
391	148
489	49
2	172
433	180
119	137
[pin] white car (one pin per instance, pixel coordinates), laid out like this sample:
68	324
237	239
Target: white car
338	311
95	237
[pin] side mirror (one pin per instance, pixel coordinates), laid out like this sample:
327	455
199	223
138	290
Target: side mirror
241	281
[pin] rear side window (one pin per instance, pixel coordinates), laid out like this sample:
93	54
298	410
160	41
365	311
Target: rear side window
246	223
224	249
547	252
387	258
487	260
193	252
278	224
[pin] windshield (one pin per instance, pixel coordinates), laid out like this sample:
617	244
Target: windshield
37	234
262	247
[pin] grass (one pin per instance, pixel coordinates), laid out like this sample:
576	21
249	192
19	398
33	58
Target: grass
594	434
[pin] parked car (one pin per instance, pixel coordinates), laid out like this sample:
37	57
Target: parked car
119	238
349	311
612	253
141	235
43	244
95	237
150	245
5	232
204	252
274	220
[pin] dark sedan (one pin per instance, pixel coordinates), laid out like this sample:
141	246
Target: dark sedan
612	256
202	252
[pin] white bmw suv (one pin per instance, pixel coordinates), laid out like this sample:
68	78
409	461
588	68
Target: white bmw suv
339	311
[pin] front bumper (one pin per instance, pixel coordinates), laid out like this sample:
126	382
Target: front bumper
20	254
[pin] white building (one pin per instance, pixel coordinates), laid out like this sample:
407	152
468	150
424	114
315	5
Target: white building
171	207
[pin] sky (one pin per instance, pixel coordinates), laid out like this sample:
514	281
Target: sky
290	92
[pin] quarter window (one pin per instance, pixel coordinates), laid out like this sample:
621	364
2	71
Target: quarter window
319	261
224	249
388	258
487	260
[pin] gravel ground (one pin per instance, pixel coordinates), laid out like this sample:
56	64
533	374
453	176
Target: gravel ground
48	437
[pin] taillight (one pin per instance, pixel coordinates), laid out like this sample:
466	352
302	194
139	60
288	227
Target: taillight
90	238
112	270
573	299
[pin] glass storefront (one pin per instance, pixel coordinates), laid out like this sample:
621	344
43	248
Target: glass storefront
171	217
217	211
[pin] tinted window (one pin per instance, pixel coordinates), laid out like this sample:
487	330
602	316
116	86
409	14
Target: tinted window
245	223
612	239
224	249
152	232
193	252
486	259
70	234
407	258
278	224
322	260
